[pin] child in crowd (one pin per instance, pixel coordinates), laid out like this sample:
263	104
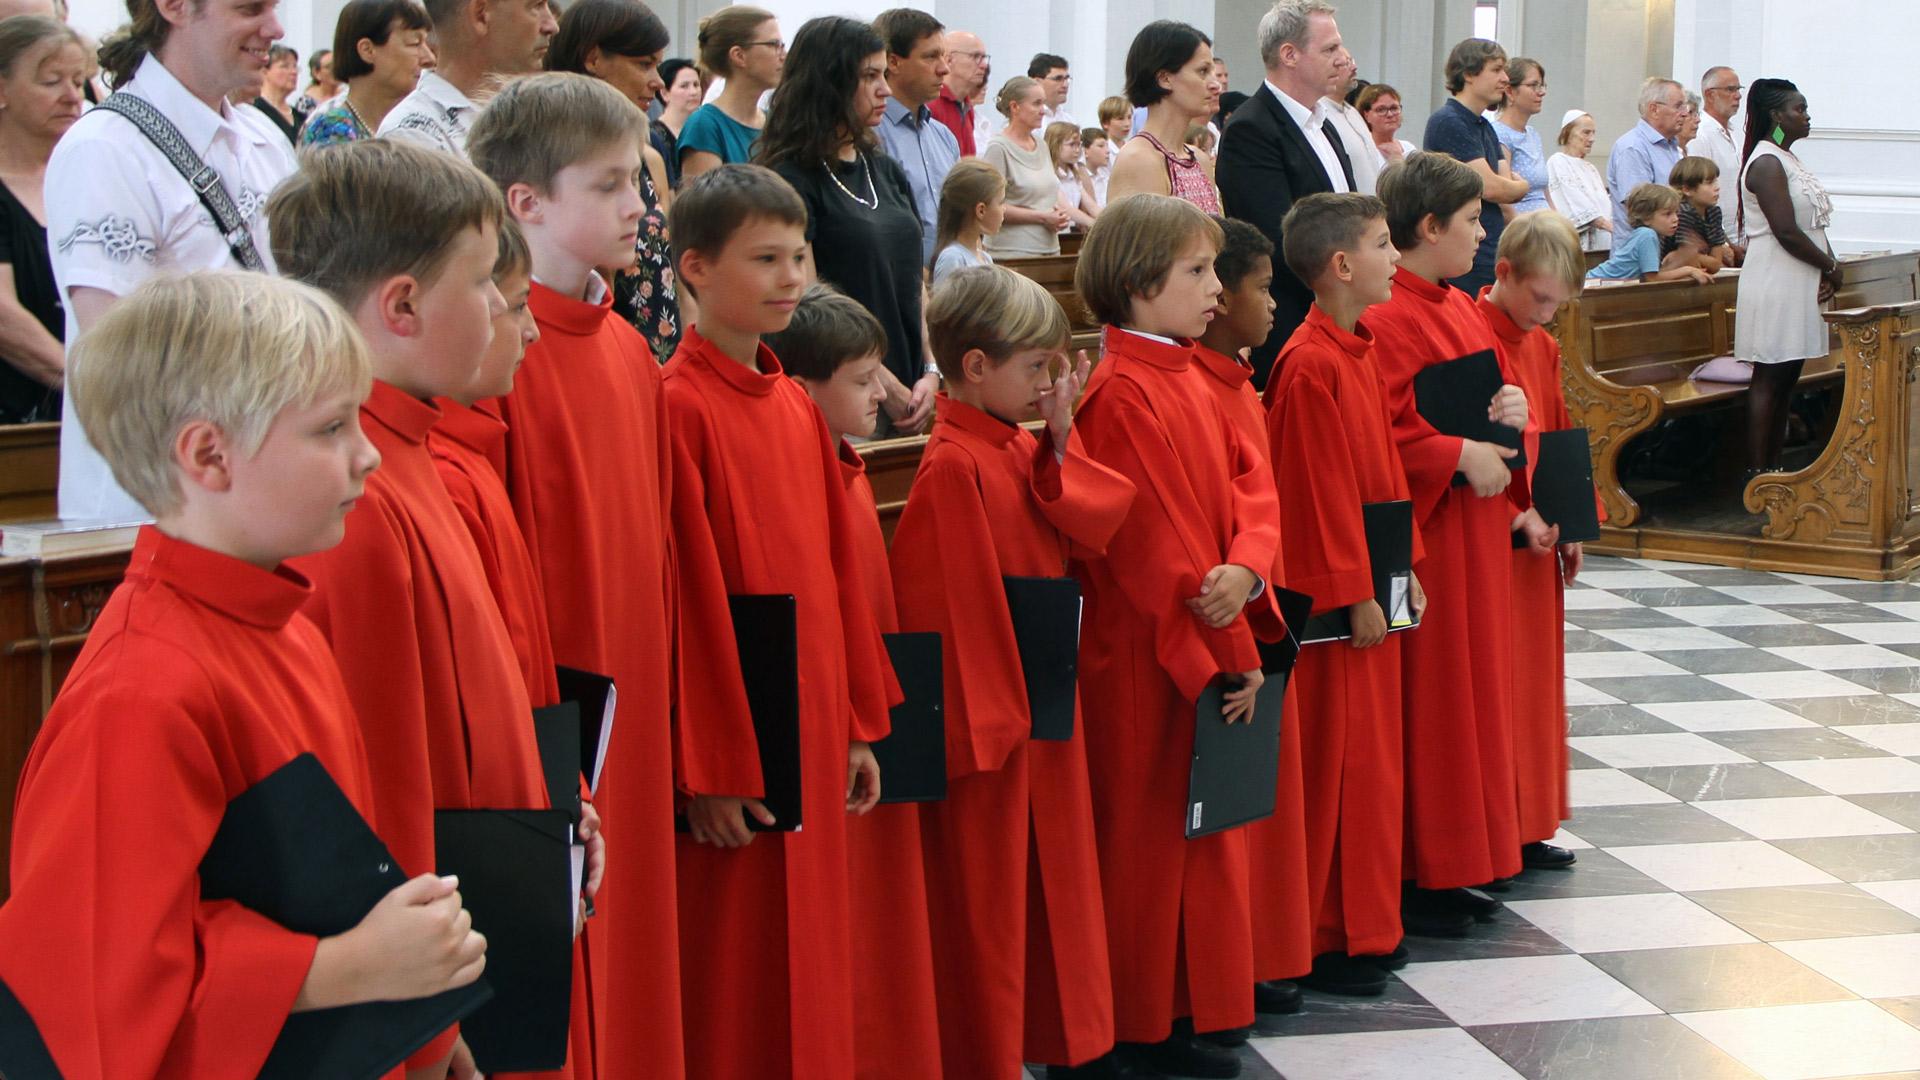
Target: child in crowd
1200	137
1173	608
1654	210
973	205
1538	268
405	239
1116	119
227	404
1020	941
586	467
759	507
1076	183
835	349
1099	163
1701	230
1330	434
1457	670
1242	318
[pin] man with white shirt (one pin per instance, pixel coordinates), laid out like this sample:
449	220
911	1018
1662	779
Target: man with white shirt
1720	92
1354	134
120	210
476	43
1055	80
1283	145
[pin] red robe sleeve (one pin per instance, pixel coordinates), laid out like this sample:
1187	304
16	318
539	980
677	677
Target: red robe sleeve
1326	553
869	672
1165	549
1082	498
1429	457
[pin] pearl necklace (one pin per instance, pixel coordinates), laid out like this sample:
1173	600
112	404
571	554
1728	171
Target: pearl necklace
365	131
872	201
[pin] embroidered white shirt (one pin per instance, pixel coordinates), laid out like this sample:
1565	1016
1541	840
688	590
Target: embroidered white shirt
118	212
1312	124
436	115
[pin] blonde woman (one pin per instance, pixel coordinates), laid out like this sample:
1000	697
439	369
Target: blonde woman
1034	217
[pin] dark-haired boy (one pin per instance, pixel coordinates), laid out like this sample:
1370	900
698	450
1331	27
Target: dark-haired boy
835	349
1330	433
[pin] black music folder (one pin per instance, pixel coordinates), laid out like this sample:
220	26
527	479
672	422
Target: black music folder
766	636
1454	396
1236	767
1563	485
292	848
596	697
23	1054
1296	608
1046	627
556	730
516	880
1389	531
913	757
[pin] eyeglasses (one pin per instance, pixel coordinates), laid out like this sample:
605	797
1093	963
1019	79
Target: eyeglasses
1734	89
1385	110
776	44
1540	86
976	57
1062	77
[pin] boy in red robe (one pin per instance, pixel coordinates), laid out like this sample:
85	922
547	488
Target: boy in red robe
1020	939
1330	434
834	349
226	403
405	239
759	507
586	467
1282	950
1538	268
466	445
1174	606
1457	669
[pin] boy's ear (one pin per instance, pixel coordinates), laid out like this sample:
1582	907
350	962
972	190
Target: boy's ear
524	202
1341	266
396	301
693	268
202	454
974	365
1431	228
1502	269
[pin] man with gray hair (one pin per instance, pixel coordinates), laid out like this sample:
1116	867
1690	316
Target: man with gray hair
1720	94
1648	153
1284	146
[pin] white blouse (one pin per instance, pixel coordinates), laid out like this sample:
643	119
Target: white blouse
1580	194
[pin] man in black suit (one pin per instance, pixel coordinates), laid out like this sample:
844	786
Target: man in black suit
1281	145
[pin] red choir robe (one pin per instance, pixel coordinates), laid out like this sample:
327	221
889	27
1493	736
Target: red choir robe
199	678
1020	943
1282	914
896	1033
759	506
405	604
1179	927
1331	437
467	445
1457	669
586	461
1539	600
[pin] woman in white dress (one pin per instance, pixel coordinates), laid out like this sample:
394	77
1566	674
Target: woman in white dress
1574	186
1789	271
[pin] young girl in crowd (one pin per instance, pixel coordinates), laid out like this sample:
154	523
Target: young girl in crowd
973	203
1076	183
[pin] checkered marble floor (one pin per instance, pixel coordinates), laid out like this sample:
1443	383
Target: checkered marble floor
1746	790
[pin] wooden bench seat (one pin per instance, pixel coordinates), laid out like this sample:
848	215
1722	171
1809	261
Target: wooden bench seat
1055	274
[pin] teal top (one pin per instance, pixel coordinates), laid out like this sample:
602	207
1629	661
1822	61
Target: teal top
717	133
1638	256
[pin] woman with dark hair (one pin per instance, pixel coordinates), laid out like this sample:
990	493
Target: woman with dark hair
42	75
275	99
379	47
1789	271
684	86
1170	73
621	43
1526	94
861	220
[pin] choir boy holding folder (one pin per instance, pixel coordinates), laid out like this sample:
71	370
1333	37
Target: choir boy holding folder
1457	420
760	510
227	403
835	349
1538	268
1176	607
405	239
1331	436
1020	940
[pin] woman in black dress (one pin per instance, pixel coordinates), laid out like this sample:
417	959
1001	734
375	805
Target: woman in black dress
861	221
43	74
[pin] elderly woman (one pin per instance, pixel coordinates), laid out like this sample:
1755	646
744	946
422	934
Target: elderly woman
42	77
1379	105
1575	187
379	47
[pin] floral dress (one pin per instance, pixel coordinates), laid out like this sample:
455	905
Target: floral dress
334	125
644	293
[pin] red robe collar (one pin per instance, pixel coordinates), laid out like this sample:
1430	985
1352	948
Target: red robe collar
852	465
975	422
1175	357
705	354
1230	370
1418	287
1503	325
567	314
1353	344
237	589
472	427
407	416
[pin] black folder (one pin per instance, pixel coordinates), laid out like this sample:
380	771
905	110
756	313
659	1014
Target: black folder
1236	767
766	636
23	1054
1389	532
292	848
1046	627
1454	396
913	757
556	730
1563	485
596	697
1296	608
516	876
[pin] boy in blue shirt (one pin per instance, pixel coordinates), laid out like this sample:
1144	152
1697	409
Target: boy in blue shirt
1654	210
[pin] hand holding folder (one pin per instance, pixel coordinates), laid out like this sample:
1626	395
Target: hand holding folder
1456	398
1563	485
766	637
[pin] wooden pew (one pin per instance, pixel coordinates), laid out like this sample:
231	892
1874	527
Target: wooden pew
1070	243
1628	349
1055	274
29	470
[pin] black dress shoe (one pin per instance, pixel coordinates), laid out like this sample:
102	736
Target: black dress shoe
1541	855
1392	961
1278	997
1427	913
1338	973
1105	1067
1499	885
1230	1039
1181	1054
1479	907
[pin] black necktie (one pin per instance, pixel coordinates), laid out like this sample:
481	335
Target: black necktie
1339	152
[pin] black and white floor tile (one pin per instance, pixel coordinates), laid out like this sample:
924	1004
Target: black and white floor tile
1746	795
